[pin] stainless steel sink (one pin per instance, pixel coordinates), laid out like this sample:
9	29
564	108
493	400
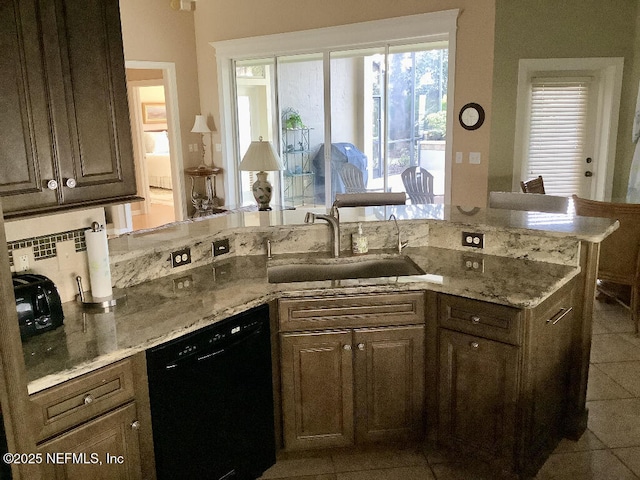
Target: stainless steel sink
343	268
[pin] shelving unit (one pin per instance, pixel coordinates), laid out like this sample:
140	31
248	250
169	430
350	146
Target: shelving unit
298	173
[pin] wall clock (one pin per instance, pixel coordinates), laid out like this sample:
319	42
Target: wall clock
471	116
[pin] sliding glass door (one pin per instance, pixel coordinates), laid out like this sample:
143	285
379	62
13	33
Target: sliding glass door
350	120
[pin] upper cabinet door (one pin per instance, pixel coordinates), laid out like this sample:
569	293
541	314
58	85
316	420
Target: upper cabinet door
26	164
89	99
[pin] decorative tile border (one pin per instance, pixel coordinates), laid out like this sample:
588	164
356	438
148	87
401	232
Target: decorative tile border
45	245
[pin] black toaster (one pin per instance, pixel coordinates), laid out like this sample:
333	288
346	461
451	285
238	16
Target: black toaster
38	304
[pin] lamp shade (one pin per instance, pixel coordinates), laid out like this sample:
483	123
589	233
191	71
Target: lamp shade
200	125
261	157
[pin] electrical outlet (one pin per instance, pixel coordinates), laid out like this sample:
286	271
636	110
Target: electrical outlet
182	283
473	263
220	247
473	239
23	263
180	257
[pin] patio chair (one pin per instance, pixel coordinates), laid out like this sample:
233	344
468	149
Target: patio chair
352	178
620	251
418	184
535	185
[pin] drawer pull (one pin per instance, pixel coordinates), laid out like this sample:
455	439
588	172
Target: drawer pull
88	399
135	425
347	347
559	316
361	346
475	319
474	345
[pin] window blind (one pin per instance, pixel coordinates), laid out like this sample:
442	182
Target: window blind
557	133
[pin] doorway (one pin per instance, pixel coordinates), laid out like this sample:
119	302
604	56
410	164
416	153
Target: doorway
566	124
157	149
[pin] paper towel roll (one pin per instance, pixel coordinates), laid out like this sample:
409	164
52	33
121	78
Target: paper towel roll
99	270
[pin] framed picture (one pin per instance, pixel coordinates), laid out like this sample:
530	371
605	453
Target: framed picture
154	113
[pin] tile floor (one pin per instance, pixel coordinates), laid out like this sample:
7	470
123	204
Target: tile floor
608	450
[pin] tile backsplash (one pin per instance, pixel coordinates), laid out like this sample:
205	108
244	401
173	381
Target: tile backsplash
44	246
54	246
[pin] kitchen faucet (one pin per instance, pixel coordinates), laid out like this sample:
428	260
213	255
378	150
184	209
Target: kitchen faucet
401	244
334	224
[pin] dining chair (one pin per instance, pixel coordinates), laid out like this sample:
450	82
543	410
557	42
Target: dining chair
535	185
418	184
620	251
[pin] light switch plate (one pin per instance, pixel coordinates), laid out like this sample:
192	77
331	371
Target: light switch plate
474	158
220	247
458	157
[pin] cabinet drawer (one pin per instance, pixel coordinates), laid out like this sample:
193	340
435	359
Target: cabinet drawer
67	405
488	320
351	311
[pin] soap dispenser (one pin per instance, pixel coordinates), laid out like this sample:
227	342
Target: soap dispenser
359	242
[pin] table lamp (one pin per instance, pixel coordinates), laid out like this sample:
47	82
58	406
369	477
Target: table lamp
200	126
261	157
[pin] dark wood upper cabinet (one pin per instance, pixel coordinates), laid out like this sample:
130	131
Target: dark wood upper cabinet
67	117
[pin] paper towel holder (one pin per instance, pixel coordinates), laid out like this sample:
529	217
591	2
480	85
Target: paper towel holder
87	300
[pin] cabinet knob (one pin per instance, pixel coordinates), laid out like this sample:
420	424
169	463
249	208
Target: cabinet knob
475	319
135	425
52	184
361	346
70	182
88	399
346	347
474	345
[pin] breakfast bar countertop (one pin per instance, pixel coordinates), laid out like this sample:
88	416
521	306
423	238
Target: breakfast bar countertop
160	310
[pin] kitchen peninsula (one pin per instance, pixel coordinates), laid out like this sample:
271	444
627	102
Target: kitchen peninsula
517	310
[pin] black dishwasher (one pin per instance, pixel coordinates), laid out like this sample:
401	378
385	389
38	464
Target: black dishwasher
211	397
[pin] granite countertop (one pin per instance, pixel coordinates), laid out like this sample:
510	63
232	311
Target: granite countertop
553	225
159	310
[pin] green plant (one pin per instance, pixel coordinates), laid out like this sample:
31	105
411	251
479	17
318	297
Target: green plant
291	119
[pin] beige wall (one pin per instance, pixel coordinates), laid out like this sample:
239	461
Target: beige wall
153	31
552	29
217	20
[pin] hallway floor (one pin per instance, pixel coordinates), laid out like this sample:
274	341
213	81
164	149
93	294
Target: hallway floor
608	450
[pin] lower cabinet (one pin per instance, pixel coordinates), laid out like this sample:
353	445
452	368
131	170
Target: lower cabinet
361	384
105	448
478	393
504	378
97	426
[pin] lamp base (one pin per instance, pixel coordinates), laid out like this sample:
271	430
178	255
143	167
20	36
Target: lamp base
262	191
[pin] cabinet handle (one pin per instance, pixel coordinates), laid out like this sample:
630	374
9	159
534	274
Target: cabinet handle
346	347
361	346
135	425
475	319
88	399
52	184
70	182
474	345
559	316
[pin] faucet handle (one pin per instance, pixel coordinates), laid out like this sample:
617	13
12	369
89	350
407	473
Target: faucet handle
334	212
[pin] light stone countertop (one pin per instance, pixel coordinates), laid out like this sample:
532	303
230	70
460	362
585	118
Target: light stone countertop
160	310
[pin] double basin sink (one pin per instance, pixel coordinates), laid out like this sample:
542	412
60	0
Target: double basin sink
343	269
